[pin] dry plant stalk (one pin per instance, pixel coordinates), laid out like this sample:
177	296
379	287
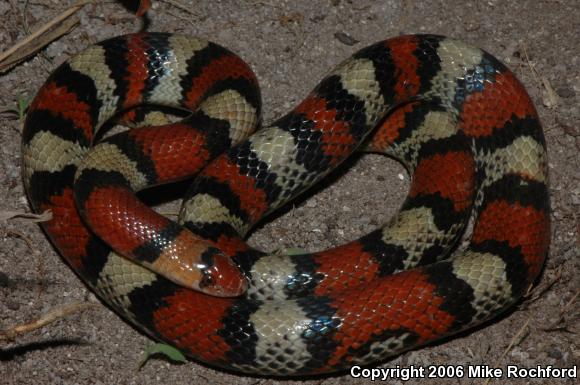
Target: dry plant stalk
30	217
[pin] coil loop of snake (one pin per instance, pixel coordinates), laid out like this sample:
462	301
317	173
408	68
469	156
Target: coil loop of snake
457	118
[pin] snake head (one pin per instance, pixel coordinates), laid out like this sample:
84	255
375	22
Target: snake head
222	278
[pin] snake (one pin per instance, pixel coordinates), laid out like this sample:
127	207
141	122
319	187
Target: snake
468	242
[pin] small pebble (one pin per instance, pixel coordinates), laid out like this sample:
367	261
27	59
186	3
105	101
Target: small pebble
311	203
12	305
345	38
4	279
554	352
4	8
565	92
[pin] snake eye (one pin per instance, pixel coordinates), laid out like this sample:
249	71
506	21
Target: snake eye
207	280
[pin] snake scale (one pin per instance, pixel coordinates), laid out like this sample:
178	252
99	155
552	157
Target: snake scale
458	119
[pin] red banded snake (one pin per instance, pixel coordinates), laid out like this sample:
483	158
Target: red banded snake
457	118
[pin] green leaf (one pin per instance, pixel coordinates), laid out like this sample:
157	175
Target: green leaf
293	251
173	354
22	102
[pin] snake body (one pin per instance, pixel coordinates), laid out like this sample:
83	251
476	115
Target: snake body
457	118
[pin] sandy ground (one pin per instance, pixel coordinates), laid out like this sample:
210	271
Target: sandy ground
291	45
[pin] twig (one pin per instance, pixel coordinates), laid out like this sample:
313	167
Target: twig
37	255
516	339
22	236
27	28
25	18
552	100
177	4
52	315
555	326
534	295
569	303
30	217
40	38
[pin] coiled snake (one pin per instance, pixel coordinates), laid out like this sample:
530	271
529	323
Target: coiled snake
457	118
